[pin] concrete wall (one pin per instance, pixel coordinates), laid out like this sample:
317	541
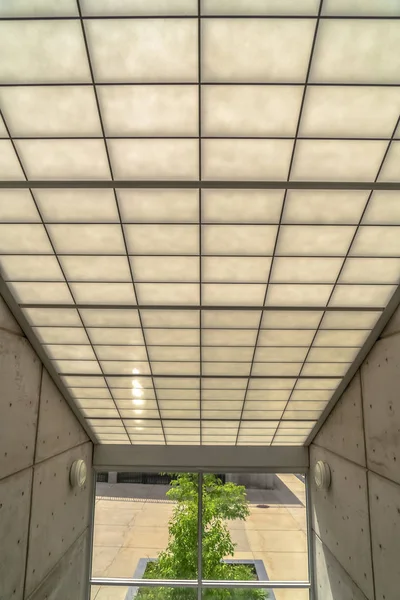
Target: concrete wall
44	523
356	523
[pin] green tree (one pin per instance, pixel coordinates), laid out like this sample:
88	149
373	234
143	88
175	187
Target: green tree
221	503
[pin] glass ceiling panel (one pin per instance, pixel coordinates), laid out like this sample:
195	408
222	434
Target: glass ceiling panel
173	311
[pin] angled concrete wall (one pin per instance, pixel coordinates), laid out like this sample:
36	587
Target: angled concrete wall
44	523
356	523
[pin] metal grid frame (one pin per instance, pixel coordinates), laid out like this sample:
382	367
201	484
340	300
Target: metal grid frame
198	16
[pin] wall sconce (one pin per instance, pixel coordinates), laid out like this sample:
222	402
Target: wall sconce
322	475
78	474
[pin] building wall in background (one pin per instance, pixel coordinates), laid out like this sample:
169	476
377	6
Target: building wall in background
44	523
356	523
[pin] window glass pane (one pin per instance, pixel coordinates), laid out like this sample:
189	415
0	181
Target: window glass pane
145	524
254	524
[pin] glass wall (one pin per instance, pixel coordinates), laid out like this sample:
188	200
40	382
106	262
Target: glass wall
252	528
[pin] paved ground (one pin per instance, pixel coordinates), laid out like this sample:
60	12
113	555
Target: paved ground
131	522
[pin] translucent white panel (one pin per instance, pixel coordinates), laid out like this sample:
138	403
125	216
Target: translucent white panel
64	159
37	8
304	270
285	337
9	165
383	208
371	270
178	405
226	337
250	110
276	369
280	354
81	392
139	7
169	268
114	438
72	352
125	368
377	241
77	205
30	239
3	130
259	7
170	318
338	355
286	439
17	205
166	337
346	111
30	268
50	111
391	168
270	405
178	394
275	395
311	395
103	293
226	395
231	269
41	293
100	430
239	239
337	160
246	159
104	412
121	353
298	295
97	317
241	353
76	366
256	50
96	268
271	384
175	368
362	295
233	295
350	320
144	50
317	384
241	206
136	413
54	316
357	51
162	239
324	206
168	293
249	415
301	414
87	239
110	336
126	394
221	414
288	319
227	384
314	240
147	205
183	353
325	369
89	382
226	368
61	59
361	7
341	338
149	110
126	382
239	319
250	441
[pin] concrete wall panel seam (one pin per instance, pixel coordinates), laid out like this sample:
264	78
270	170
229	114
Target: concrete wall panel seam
31	492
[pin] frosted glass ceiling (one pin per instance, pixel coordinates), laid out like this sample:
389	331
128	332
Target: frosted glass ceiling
181	315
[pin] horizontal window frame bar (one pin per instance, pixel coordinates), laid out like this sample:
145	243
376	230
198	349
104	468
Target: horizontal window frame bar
194	583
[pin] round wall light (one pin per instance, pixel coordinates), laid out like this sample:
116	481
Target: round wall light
78	473
322	475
